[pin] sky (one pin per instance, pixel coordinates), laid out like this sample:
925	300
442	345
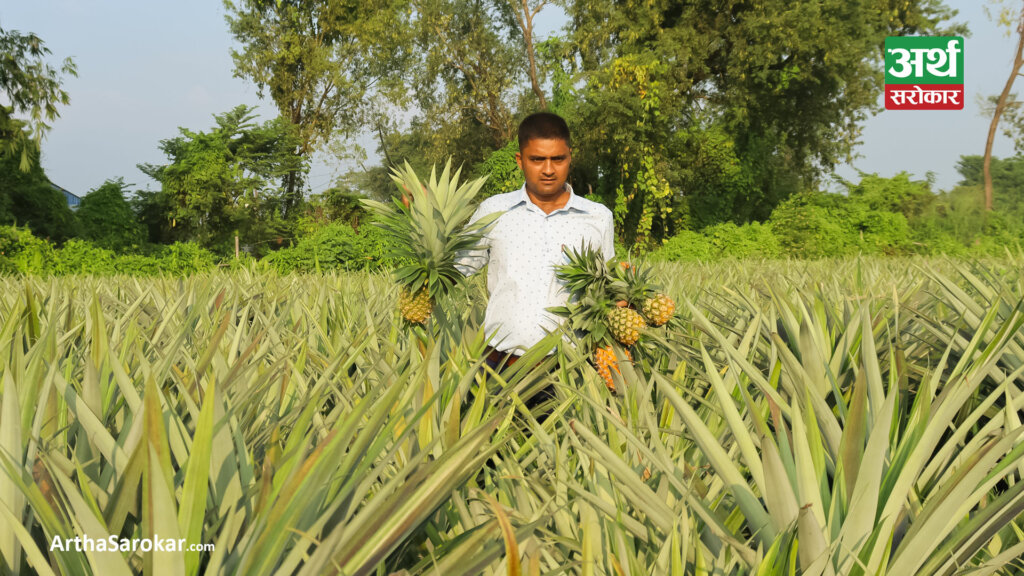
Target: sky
145	68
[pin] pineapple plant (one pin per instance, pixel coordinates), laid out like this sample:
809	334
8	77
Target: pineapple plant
594	312
428	222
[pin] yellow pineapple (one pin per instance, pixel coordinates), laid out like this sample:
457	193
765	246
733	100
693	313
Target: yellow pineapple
415	306
626	325
605	361
658	309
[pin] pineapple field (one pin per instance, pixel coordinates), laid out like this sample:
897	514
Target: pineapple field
834	417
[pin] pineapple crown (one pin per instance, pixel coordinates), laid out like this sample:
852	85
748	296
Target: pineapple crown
585	273
430	231
632	282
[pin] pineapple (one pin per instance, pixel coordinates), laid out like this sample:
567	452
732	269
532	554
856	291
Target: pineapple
605	361
428	222
415	307
659	309
626	325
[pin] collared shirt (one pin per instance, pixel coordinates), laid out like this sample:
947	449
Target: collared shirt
521	251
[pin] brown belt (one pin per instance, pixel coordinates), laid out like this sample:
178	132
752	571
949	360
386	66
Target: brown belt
497	357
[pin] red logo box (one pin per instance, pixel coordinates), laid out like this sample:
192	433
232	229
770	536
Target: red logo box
924	97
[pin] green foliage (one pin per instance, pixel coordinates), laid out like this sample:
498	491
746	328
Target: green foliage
467	66
1007	183
888	216
503	174
896	194
686	246
715	185
761	99
811	225
334	204
153	209
721	241
28	198
20	251
106	218
32	88
335	246
752	240
322	65
83	257
623	123
224	181
183	258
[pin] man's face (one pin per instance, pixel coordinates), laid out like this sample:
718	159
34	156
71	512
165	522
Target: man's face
545	165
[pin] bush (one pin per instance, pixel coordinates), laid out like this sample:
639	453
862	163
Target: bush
183	258
726	240
686	246
811	225
878	231
753	240
138	265
22	252
897	194
336	246
82	257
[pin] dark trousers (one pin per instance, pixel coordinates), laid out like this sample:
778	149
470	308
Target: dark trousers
539	404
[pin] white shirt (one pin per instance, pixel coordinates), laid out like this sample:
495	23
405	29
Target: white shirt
521	250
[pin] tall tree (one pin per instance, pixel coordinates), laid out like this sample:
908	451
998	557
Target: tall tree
1006	16
106	218
28	198
320	62
787	82
225	180
525	15
467	76
31	87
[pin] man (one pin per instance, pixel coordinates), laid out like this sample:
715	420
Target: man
525	244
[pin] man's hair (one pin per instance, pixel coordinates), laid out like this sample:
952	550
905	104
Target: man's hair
543	125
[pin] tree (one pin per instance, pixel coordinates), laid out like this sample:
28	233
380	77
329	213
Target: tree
28	198
319	62
468	75
787	83
525	15
31	87
106	218
226	180
1006	175
1003	100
